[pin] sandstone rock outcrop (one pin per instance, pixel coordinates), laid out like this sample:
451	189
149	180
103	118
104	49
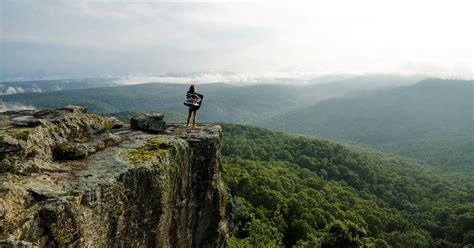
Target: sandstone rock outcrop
73	180
148	122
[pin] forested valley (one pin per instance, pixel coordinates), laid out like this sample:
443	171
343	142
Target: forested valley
308	192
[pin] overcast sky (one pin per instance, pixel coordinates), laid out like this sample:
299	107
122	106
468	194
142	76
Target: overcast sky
88	38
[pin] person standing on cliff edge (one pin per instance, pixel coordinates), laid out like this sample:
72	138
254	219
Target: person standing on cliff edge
193	100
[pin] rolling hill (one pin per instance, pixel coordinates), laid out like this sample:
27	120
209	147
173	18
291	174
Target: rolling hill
431	120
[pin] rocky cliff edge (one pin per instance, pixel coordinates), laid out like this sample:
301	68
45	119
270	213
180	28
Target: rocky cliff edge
72	179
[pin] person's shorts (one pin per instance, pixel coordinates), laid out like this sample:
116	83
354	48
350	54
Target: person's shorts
193	108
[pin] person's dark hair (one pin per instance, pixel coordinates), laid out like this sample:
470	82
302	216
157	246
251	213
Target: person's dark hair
192	88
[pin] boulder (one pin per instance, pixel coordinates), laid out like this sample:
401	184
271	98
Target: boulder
110	139
73	109
9	144
148	122
69	151
115	123
42	134
26	121
73	151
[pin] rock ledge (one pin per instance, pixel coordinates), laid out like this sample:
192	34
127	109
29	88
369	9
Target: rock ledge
74	180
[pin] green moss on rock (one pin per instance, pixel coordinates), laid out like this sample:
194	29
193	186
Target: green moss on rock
108	124
64	151
5	227
21	134
152	149
60	239
8	167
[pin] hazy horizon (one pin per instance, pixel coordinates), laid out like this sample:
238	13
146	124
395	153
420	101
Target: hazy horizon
89	38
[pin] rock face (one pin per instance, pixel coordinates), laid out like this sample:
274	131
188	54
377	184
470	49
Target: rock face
74	181
149	122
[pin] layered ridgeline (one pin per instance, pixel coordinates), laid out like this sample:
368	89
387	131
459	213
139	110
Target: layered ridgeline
71	179
432	120
307	192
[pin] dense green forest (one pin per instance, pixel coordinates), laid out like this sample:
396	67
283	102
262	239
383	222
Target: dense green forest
307	192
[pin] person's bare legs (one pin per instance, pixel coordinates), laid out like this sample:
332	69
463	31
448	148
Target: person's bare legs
194	118
189	117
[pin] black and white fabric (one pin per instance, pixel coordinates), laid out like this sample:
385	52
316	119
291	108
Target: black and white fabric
193	100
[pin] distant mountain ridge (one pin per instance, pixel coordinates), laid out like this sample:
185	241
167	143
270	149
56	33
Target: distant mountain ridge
224	102
431	120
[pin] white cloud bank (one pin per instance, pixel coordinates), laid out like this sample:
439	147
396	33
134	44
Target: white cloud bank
11	106
11	90
222	77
